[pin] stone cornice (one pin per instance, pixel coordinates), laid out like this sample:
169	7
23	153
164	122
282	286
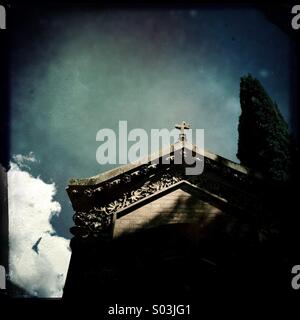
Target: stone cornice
96	205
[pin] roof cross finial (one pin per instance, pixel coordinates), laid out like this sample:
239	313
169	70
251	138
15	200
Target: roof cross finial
184	125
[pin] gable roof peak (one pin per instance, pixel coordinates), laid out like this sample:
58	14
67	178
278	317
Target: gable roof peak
163	152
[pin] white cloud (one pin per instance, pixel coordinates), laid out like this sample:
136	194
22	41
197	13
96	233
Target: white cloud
21	159
31	206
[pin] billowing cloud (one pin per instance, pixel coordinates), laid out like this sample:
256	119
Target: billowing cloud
20	159
38	258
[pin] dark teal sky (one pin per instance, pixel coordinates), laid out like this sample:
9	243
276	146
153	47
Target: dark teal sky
75	72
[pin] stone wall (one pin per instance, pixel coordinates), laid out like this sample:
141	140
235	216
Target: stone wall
176	207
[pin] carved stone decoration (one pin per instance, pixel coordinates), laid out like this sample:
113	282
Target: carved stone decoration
98	203
147	189
97	220
91	223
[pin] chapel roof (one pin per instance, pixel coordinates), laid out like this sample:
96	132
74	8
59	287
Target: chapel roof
169	150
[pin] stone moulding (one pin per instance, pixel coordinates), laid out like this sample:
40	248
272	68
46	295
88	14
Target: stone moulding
97	200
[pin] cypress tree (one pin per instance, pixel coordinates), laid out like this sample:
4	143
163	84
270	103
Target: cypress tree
264	141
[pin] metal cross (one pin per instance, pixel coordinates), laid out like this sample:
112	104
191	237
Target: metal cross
181	127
